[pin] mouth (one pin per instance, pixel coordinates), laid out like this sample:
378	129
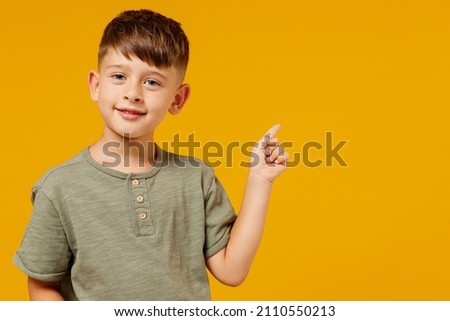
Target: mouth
130	114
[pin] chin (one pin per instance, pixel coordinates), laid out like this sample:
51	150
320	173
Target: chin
133	134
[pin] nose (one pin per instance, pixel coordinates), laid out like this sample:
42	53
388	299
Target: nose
132	93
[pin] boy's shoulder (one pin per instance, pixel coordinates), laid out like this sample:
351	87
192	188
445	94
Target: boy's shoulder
65	171
63	168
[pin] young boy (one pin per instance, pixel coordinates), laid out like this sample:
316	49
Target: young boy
143	224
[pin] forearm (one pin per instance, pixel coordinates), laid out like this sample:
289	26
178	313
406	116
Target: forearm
233	263
44	291
248	229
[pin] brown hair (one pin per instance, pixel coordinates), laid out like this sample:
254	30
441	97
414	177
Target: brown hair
150	36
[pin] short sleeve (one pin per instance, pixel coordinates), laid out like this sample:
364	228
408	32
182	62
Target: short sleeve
44	253
220	217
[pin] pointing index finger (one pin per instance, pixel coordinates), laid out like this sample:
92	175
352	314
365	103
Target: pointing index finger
273	130
270	133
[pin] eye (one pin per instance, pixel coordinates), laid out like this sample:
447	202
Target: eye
118	77
152	83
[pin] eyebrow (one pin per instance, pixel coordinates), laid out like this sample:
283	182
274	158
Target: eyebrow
120	66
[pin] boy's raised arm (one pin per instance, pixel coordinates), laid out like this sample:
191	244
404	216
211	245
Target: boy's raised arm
231	264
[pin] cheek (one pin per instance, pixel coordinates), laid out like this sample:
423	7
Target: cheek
159	103
108	95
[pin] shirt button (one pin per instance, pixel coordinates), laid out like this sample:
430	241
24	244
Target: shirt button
135	182
140	198
142	216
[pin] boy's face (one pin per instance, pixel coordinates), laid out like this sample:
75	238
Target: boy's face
133	97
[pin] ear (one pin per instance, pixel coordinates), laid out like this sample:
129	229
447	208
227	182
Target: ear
180	99
93	84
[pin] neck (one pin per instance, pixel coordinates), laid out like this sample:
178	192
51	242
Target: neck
125	154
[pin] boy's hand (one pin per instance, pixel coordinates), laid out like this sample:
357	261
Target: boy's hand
269	159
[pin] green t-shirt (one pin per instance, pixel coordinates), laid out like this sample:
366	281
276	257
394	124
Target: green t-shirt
109	235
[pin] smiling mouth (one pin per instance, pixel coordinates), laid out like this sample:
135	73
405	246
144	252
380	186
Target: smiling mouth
130	112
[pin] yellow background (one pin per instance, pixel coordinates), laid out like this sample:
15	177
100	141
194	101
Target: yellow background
375	73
